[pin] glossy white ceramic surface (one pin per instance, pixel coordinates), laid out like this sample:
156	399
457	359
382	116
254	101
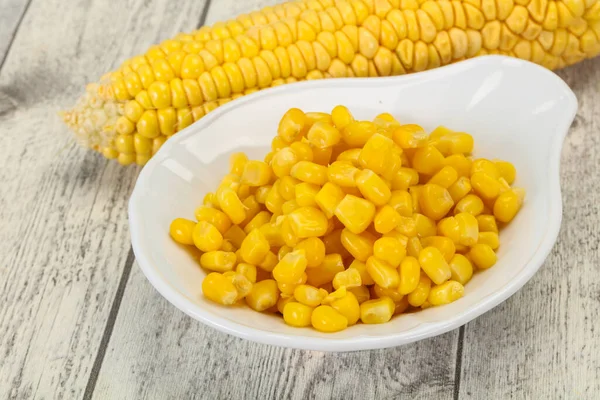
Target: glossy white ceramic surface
515	110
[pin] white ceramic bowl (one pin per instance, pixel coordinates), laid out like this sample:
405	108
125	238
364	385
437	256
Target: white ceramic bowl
515	110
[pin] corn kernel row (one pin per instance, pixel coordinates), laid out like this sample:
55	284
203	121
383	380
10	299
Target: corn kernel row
182	79
347	221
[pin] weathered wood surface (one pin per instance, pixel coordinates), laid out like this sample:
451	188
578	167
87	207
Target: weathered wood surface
64	241
77	321
11	13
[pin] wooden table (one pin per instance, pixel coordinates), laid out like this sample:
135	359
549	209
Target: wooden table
78	318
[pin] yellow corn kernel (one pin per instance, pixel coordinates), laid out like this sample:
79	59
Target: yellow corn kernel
435	201
303	151
348	306
291	267
248	270
322	156
242	285
390	250
237	161
278	143
461	268
380	155
407	226
334	295
506	170
455	143
287	233
355	213
218	261
213	216
297	314
206	237
410	136
231	204
219	289
348	278
460	188
393	294
309	172
361	267
445	293
489	238
264	295
415	194
445	177
386	219
470	204
327	319
289	206
357	133
373	187
485	186
417	297
181	230
308	222
332	264
256	173
486	167
405	178
402	202
328	198
342	173
483	256
341	117
487	223
382	273
293	125
283	300
361	293
309	295
460	163
260	219
448	227
427	160
274	200
424	225
434	264
323	134
377	311
227	246
443	244
261	193
360	246
413	247
269	262
508	204
349	156
468	229
283	161
410	273
287	289
314	249
254	248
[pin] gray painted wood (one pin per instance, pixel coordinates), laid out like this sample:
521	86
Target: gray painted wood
64	239
11	13
544	342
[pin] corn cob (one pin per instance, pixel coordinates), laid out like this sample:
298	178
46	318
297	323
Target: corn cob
133	110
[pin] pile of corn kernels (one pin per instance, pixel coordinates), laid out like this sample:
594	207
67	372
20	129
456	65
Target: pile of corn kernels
347	221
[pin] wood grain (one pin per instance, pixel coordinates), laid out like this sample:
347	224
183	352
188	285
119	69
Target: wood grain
157	352
63	239
11	13
544	341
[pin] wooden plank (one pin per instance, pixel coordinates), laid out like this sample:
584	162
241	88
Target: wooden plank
543	342
11	14
222	10
157	352
63	239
